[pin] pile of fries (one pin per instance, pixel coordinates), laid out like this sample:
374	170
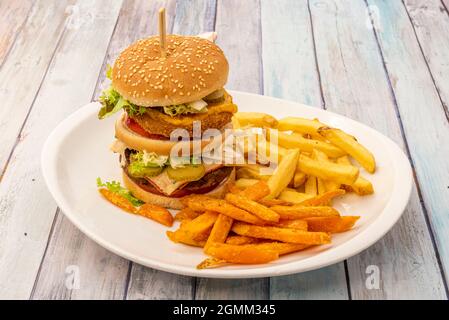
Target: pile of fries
265	216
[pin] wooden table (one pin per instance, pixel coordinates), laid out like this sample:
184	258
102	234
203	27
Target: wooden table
384	63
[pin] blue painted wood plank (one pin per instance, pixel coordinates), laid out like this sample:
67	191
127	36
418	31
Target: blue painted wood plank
355	84
423	118
289	72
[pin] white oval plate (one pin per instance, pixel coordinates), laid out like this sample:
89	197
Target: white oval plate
77	152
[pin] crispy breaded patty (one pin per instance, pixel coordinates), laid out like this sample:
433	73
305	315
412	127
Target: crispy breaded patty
156	122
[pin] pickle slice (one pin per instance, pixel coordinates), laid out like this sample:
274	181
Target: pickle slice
136	170
187	173
215	97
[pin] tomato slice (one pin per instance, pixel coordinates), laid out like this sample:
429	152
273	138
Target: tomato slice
136	128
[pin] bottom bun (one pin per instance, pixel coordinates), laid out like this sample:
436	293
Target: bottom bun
172	203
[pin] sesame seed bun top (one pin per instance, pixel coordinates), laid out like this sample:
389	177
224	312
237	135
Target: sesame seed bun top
193	68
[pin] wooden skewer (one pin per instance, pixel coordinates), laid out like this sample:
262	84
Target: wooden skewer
162	33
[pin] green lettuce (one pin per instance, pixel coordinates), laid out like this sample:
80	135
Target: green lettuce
113	102
115	187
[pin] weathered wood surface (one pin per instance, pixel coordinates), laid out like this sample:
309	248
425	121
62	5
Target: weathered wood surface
324	53
423	117
14	15
21	75
297	80
27	210
354	83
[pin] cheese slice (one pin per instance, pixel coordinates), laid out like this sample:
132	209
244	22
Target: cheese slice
167	186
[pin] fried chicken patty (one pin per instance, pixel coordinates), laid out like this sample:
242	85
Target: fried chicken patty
217	116
152	122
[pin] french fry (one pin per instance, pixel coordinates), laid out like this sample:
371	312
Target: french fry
350	145
118	200
329	171
293	224
186	213
156	213
200	225
301	212
311	187
244	183
299	179
210	263
331	224
179	236
267	151
296	140
255	119
320	186
281	234
361	186
293	196
252	171
323	199
239	240
283	173
274	202
256	191
243	254
300	125
324	185
253	207
200	203
220	230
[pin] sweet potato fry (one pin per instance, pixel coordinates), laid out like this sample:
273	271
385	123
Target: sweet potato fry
232	188
293	224
253	207
220	230
281	247
256	191
210	263
274	202
187	213
281	234
200	225
156	213
221	206
244	254
301	212
118	200
239	240
179	236
323	199
331	224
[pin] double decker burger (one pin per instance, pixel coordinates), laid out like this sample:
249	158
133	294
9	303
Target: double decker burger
159	93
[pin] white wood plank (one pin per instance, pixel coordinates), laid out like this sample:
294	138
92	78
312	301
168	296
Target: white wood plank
22	74
194	16
146	283
26	208
238	28
431	23
286	33
419	107
70	254
354	84
14	14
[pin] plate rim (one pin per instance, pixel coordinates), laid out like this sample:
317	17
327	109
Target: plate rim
394	209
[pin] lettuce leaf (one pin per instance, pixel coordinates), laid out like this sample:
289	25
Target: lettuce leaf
113	102
115	187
